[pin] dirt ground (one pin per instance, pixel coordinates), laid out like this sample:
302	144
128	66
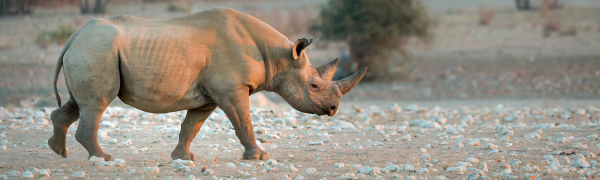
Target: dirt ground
355	130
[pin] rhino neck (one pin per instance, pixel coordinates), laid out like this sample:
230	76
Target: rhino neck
276	61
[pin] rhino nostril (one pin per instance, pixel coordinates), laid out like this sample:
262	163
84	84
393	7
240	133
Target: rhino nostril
332	108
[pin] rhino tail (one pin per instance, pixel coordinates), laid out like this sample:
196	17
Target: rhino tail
59	64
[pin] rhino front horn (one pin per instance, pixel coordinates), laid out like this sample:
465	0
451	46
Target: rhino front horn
328	70
346	84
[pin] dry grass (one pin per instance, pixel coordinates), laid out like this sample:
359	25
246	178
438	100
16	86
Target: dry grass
60	36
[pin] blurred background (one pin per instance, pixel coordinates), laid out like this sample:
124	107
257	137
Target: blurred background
428	50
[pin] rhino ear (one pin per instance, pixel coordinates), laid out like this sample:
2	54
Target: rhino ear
299	46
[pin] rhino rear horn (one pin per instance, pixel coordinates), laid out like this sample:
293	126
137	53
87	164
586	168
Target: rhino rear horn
346	84
328	70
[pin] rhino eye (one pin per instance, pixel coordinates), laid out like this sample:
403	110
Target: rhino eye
314	86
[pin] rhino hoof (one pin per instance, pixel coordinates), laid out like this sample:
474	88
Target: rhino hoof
256	155
58	146
183	156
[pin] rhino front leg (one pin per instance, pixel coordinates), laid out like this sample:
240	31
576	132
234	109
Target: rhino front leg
237	108
189	128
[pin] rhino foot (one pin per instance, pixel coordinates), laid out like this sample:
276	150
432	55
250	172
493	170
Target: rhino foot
58	145
183	155
256	154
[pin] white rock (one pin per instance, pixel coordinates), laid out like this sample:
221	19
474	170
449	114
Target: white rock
120	163
96	159
127	142
390	168
230	165
42	121
409	167
472	160
467	119
402	129
451	130
27	175
13	174
79	174
440	178
579	161
338	165
178	163
424	157
43	146
491	146
310	170
191	177
292	168
112	141
405	137
44	173
458	169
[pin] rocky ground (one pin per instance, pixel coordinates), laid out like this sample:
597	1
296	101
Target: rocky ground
406	141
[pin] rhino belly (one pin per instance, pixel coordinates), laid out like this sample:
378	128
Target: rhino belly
160	87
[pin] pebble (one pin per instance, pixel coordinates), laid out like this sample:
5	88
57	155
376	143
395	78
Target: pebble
178	163
27	175
292	168
405	137
79	174
13	174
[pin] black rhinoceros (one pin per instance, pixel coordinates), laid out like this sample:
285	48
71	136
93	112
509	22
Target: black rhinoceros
217	57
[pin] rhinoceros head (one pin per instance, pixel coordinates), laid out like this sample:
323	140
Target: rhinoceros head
311	90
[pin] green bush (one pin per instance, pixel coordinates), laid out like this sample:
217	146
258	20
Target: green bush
374	29
59	36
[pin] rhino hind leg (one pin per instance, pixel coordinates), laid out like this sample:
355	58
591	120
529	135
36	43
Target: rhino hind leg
189	128
87	131
62	118
94	80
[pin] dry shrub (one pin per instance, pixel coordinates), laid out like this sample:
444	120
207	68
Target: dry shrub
486	16
176	7
375	31
59	36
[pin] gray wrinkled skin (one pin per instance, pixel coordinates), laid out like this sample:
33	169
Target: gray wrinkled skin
217	57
